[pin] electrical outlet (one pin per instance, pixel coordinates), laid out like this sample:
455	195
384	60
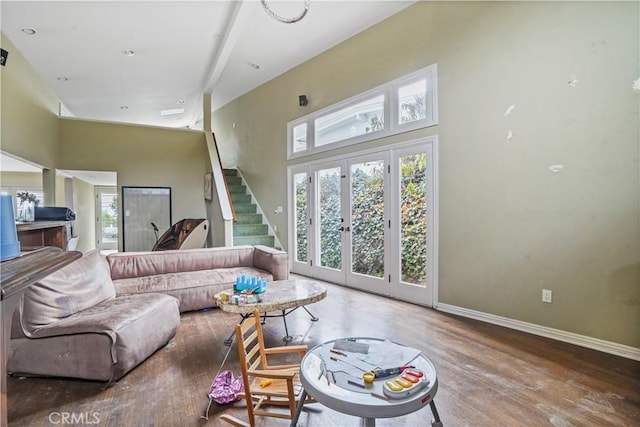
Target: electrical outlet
546	295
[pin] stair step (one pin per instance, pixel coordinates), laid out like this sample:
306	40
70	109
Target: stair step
237	189
250	229
230	172
253	240
245	208
233	180
242	218
240	199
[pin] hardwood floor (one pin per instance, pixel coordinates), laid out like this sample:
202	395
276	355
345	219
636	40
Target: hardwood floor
488	375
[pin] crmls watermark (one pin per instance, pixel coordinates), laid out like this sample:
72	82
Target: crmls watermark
74	418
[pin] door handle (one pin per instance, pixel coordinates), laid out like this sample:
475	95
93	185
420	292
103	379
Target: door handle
345	229
341	228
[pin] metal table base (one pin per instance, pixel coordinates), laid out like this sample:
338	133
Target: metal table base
287	337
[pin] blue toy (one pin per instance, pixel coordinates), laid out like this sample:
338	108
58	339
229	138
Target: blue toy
250	284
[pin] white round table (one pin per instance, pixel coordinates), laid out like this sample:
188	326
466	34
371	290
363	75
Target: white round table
325	376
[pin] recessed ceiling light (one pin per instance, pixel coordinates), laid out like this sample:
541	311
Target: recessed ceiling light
124	107
255	66
172	111
128	52
29	31
63	79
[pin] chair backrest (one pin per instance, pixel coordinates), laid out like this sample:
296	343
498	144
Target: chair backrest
281	381
251	345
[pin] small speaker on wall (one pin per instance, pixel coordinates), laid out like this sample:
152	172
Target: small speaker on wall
3	57
303	101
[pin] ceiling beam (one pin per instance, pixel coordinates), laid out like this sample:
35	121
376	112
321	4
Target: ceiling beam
238	19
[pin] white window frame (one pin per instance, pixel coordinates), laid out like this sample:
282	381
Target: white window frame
391	113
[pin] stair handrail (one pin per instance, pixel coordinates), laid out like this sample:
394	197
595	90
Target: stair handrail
224	177
219	180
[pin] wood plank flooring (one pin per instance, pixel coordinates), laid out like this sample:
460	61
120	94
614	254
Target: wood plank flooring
488	375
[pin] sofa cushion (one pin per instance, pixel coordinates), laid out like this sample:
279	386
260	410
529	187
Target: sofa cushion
125	265
76	287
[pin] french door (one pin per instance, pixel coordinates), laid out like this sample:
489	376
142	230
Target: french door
368	221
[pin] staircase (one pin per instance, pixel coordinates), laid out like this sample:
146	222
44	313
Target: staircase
248	228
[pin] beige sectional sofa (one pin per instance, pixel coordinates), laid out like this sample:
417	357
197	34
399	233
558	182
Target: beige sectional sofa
99	318
194	276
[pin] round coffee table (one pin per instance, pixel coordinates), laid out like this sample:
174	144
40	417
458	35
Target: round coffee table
284	296
332	379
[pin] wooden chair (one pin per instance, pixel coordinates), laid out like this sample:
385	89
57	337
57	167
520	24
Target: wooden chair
266	384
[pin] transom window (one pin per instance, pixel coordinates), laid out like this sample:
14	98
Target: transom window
401	105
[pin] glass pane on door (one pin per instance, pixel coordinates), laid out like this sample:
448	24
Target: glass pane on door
107	224
109	215
367	218
330	218
301	209
413	221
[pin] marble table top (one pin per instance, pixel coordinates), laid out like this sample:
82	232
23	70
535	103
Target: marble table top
280	295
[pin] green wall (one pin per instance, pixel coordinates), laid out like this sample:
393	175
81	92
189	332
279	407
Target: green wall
509	226
29	111
17	179
142	156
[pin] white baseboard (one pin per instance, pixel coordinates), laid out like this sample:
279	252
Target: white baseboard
543	331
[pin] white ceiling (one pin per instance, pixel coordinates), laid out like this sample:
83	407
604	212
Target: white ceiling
182	49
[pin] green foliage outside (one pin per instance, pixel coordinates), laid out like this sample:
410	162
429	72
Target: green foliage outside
110	216
413	221
415	110
367	220
302	220
330	238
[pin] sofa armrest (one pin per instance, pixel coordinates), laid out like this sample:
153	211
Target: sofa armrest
272	260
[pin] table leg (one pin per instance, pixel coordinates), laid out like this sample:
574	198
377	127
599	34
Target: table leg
287	337
303	397
229	340
313	318
436	418
369	422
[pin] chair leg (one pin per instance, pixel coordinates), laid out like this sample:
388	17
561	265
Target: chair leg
234	421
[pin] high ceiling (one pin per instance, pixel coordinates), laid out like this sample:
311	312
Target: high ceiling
133	61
